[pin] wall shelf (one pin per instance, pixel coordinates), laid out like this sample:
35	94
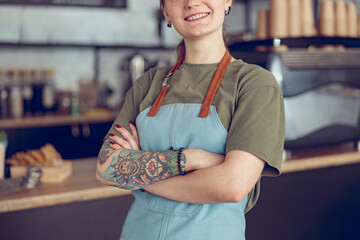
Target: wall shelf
81	45
300	42
56	120
79	3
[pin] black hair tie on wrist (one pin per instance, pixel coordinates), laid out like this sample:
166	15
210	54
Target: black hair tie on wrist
180	165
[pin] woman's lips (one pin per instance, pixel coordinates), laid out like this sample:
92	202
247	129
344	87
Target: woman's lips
196	16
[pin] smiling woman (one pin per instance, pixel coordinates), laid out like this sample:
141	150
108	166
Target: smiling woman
201	135
181	46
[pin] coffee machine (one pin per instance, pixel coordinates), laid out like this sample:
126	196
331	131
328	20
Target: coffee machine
132	67
321	94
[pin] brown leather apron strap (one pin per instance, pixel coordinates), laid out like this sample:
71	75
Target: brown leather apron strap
205	108
165	86
215	83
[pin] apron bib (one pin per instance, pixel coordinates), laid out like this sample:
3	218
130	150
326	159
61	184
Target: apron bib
157	218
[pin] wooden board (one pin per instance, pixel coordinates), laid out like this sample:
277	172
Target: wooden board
49	174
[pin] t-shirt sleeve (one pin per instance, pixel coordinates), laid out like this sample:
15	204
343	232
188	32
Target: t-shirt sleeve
258	126
130	108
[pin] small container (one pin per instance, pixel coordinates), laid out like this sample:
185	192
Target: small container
3	145
49	92
75	104
16	100
33	177
4	96
27	92
38	86
64	100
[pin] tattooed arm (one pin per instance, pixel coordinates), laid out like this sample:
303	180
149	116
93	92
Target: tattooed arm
133	169
121	162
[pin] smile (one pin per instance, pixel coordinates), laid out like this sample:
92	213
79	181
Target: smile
196	16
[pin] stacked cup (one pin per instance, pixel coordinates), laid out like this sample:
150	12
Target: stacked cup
351	19
286	18
295	18
262	30
358	25
338	19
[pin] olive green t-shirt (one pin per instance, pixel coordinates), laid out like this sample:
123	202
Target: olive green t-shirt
249	103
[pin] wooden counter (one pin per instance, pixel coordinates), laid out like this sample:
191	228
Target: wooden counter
82	185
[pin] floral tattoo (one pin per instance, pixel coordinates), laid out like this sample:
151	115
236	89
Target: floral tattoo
132	169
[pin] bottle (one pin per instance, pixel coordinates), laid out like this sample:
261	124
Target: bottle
48	94
16	101
27	92
38	85
64	100
4	96
75	104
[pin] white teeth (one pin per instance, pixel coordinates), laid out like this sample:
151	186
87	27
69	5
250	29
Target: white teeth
201	15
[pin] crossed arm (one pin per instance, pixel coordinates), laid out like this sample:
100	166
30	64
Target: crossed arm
217	178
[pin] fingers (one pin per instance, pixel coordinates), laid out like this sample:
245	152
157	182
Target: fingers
135	135
116	140
115	146
134	130
129	138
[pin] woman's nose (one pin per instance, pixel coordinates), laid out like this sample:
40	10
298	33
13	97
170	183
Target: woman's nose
191	3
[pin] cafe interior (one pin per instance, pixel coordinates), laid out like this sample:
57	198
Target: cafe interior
66	66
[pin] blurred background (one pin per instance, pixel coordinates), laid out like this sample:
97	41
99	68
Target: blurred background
66	65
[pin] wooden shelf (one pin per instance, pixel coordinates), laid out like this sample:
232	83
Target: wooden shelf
323	161
56	120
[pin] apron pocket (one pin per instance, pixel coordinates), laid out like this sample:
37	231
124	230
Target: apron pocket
170	207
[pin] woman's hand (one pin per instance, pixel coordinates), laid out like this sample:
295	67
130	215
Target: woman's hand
131	139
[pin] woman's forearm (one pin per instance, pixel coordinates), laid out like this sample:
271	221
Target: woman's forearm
227	182
204	186
133	169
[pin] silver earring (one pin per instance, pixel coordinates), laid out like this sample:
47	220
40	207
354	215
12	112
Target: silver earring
169	25
227	13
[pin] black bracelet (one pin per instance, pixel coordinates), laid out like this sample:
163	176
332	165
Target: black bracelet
181	166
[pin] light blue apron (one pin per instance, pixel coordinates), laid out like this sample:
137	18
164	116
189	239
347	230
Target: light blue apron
152	217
